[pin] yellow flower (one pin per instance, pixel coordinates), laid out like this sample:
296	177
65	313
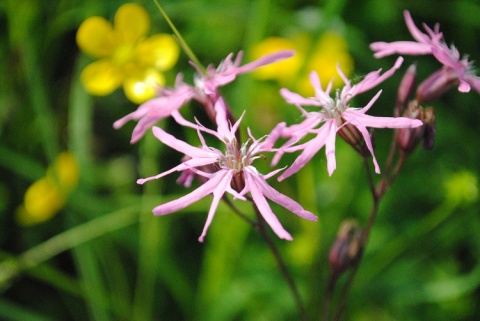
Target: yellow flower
126	56
47	196
330	49
462	188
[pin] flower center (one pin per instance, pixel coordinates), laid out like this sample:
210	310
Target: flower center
334	108
235	158
123	54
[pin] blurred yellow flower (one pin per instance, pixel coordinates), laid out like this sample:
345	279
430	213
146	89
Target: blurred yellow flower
462	188
126	56
330	49
45	197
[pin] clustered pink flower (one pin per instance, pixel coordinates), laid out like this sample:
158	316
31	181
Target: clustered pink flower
235	173
334	113
456	70
205	91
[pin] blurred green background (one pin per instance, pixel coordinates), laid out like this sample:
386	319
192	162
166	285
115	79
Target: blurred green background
104	256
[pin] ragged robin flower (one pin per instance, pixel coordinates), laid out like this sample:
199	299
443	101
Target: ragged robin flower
235	173
205	91
455	71
126	57
47	196
335	115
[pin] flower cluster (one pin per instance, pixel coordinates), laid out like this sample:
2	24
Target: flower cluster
231	170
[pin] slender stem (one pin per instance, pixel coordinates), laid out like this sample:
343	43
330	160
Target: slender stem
179	37
238	212
332	282
377	194
65	241
281	264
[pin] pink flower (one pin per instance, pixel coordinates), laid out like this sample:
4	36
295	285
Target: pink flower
228	70
431	43
335	114
205	91
235	173
149	113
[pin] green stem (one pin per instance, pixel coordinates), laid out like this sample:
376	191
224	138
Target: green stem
67	240
180	39
281	264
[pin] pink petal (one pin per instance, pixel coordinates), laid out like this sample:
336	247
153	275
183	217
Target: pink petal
264	208
414	31
374	78
265	60
147	121
199	193
217	196
182	146
296	99
330	148
368	142
357	118
311	148
463	87
474	82
280	198
383	49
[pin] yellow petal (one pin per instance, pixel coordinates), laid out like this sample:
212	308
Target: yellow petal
95	37
143	86
101	77
64	172
160	51
42	201
131	22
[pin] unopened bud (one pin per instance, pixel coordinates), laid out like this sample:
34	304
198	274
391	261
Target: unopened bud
437	84
408	138
405	89
347	247
354	138
430	128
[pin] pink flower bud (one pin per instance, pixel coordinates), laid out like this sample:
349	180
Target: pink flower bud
405	89
347	247
409	138
354	138
430	128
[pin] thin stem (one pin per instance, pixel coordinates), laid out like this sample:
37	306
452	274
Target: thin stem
332	282
179	37
238	212
377	194
281	264
65	241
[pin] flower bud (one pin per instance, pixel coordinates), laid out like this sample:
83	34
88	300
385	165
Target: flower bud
354	138
430	128
347	247
437	84
405	89
408	138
